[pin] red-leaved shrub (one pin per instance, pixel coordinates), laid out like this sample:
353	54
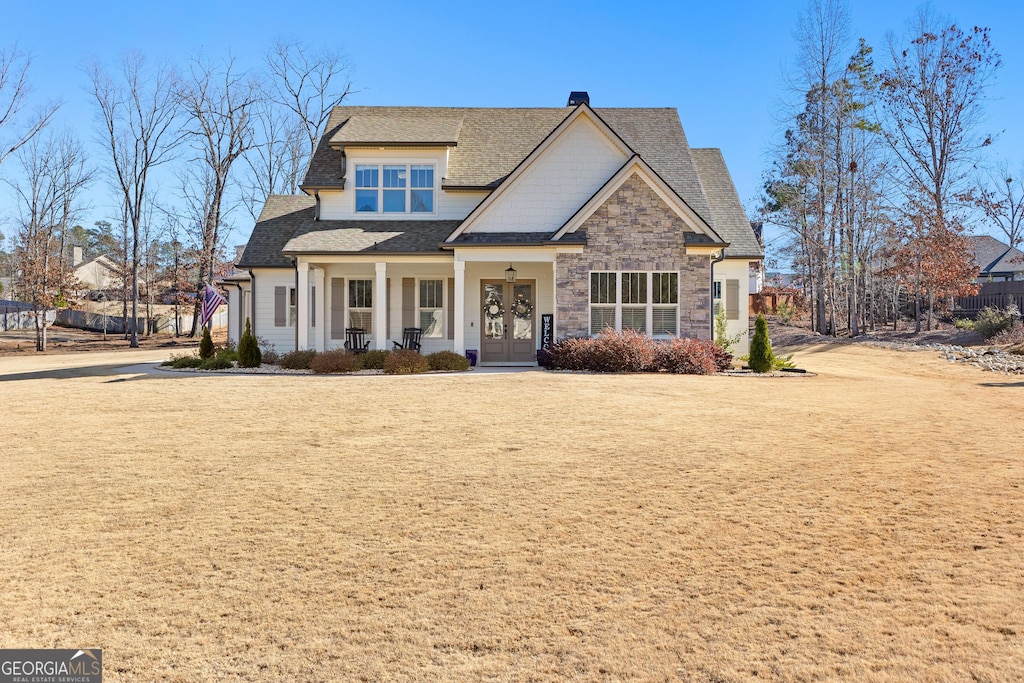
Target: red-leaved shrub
337	360
631	351
685	356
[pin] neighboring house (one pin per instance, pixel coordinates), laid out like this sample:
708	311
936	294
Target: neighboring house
998	262
95	274
479	226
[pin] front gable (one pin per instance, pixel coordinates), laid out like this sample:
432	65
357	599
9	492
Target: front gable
565	170
634	175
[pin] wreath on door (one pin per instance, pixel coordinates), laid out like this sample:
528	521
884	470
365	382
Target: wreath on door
523	308
493	308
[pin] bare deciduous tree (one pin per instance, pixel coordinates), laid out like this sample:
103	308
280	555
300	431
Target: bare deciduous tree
14	92
217	105
1001	198
933	97
53	175
138	128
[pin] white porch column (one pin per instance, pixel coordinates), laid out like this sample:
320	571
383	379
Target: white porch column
380	307
460	307
321	319
302	305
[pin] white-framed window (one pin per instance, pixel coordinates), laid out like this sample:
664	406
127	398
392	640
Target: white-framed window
634	301
360	304
647	302
293	306
431	308
664	303
602	302
716	296
394	188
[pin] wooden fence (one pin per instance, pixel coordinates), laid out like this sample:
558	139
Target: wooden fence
992	295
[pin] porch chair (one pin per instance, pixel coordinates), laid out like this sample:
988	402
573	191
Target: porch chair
410	339
355	340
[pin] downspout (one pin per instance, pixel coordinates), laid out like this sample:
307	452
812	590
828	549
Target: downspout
711	293
241	312
252	302
288	303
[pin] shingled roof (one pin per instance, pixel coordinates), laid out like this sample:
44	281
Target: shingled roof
485	145
730	218
282	215
993	256
492	142
355	236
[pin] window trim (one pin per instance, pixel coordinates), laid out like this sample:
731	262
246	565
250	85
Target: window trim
649	304
408	189
359	309
443	308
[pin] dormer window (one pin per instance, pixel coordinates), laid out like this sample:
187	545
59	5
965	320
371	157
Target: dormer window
394	188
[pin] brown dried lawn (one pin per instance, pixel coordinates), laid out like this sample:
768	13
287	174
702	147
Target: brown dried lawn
867	523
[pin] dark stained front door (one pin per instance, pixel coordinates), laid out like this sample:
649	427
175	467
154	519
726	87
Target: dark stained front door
507	332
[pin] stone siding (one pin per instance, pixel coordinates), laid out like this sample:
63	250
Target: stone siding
633	230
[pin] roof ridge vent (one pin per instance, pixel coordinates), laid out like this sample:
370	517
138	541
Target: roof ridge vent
578	97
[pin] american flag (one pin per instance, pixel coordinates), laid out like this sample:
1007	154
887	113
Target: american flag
211	301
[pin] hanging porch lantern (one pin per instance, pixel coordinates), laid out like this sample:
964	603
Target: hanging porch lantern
510	274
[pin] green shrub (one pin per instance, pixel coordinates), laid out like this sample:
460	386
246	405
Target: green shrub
187	362
724	341
216	363
761	356
227	354
785	310
405	362
991	321
249	355
206	349
374	359
337	360
297	360
963	323
447	360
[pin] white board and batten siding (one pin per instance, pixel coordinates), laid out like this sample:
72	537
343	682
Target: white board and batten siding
735	287
281	337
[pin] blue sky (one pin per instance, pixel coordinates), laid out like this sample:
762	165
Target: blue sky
719	63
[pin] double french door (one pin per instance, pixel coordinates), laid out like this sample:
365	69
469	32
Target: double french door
507	330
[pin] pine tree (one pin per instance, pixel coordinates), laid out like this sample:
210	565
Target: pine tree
249	355
761	357
206	349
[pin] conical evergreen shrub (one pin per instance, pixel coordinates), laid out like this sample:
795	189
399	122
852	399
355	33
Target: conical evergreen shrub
206	349
249	355
761	357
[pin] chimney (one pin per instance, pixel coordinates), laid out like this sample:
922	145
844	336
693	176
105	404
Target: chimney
76	256
578	97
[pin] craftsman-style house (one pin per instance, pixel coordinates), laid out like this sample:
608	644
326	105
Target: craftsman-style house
485	228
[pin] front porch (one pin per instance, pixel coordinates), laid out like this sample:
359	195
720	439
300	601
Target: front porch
443	295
